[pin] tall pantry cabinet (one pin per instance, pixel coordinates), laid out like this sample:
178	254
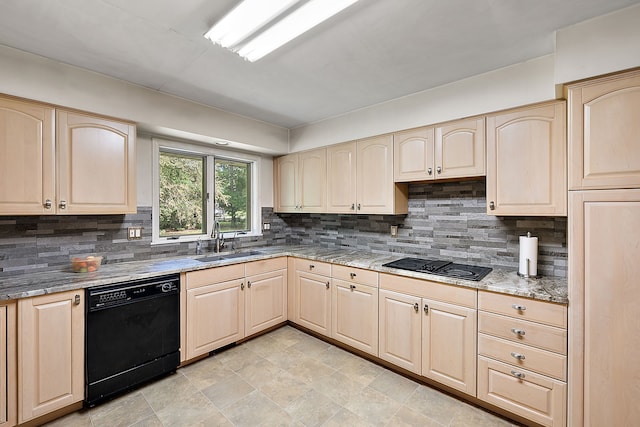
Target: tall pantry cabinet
604	249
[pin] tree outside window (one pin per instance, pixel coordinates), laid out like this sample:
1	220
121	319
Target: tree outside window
232	195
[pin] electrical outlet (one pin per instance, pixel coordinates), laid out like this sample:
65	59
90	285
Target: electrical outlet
266	226
134	233
394	231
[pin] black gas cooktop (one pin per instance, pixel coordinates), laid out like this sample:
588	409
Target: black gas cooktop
441	268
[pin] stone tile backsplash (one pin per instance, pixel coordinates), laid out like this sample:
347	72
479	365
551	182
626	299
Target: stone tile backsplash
445	220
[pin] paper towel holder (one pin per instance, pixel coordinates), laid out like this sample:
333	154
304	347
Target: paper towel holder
526	275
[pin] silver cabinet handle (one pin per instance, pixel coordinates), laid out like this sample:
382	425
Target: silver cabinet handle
352	275
517	355
358	206
439	170
47	204
63	204
353	206
429	171
311	266
518	307
492	205
327	285
416	307
242	286
76	299
426	309
518	332
248	284
517	374
352	287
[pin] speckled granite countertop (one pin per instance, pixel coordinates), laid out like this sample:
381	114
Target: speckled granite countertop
502	281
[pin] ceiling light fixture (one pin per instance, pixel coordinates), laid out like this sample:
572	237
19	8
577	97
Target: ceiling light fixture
251	15
245	19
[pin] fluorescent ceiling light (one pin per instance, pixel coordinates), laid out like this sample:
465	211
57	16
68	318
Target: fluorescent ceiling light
245	19
303	19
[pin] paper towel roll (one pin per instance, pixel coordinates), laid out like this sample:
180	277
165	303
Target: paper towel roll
528	251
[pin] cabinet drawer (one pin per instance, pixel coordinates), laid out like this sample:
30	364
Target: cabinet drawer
355	275
428	289
265	266
523	356
311	266
537	398
195	279
523	332
523	308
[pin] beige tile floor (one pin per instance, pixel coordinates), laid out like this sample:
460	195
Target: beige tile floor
284	378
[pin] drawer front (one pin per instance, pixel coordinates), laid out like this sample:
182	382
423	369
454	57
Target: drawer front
522	356
523	332
523	308
311	266
532	396
427	289
195	279
355	275
265	266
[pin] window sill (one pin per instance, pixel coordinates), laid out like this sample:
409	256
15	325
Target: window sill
201	237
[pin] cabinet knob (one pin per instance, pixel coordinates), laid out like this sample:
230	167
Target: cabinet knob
517	355
439	170
416	307
242	286
358	206
76	299
517	374
518	332
249	284
492	205
327	284
353	206
426	309
63	204
352	287
518	307
47	204
429	171
352	275
311	266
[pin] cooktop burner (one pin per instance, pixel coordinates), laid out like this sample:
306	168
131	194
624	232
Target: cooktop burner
441	268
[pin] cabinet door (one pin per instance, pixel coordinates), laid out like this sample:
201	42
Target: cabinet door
604	148
50	353
96	165
604	250
313	302
215	316
449	345
526	161
341	178
376	191
460	149
266	301
8	389
286	185
354	313
400	330
27	175
413	155
312	174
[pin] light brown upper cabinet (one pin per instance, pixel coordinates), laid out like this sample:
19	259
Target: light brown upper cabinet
526	161
604	141
451	150
360	178
88	169
301	183
27	158
96	165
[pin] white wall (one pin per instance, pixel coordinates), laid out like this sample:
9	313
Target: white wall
520	84
34	77
601	45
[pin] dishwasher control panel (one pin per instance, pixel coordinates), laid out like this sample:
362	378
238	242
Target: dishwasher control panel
116	294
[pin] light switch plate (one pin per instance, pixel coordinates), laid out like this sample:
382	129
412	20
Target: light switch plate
266	226
134	233
394	231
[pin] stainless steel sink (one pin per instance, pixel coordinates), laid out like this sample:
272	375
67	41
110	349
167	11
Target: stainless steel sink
223	256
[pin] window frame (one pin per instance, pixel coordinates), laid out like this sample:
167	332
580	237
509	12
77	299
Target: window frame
210	154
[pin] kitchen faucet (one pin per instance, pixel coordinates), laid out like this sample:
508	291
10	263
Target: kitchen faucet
217	235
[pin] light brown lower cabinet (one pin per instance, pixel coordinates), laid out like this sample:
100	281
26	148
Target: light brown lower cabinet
400	330
535	397
50	353
8	379
265	294
313	302
354	312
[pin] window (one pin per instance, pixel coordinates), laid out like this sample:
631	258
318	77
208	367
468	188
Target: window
195	187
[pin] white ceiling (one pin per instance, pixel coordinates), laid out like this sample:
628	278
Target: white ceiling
374	51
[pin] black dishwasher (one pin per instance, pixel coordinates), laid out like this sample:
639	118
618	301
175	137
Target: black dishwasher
132	334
